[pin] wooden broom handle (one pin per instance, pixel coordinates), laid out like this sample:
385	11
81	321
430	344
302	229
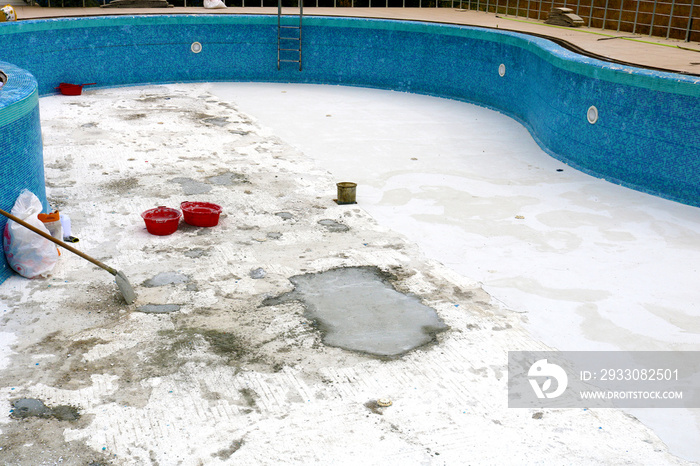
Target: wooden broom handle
59	242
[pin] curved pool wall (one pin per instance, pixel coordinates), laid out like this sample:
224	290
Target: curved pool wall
647	135
21	154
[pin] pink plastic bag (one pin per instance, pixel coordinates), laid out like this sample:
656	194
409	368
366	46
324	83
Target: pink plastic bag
29	254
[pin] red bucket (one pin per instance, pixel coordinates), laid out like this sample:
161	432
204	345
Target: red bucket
72	89
162	220
201	214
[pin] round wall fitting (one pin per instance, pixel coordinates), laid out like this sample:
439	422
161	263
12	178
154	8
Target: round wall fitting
592	114
196	47
501	70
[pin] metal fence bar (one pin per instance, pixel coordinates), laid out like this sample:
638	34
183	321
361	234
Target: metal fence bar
578	6
653	15
605	14
670	19
690	21
619	19
636	15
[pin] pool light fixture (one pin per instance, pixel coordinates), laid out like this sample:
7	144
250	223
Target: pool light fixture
501	70
592	114
196	47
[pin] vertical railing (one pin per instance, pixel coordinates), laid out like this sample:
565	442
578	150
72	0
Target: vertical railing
636	16
690	21
670	20
677	19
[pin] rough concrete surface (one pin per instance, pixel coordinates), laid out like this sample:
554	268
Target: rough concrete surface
224	379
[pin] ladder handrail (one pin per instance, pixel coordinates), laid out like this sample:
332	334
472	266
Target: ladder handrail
279	33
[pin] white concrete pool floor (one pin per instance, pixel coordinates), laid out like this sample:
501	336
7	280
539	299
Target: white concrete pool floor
456	201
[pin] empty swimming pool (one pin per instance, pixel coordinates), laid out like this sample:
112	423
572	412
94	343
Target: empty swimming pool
632	126
557	114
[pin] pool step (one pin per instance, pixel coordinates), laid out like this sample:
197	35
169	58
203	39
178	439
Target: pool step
289	36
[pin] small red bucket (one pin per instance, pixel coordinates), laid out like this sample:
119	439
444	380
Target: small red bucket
162	220
201	214
72	89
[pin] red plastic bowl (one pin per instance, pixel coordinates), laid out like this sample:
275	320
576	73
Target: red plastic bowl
72	89
201	214
162	220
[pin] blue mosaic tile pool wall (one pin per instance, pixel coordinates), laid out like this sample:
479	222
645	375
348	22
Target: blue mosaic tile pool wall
647	136
21	154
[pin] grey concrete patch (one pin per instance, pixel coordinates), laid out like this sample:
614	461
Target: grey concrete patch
258	273
159	308
196	253
285	215
227	179
332	225
166	278
216	121
357	308
190	186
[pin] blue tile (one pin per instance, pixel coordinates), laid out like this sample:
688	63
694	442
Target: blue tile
647	136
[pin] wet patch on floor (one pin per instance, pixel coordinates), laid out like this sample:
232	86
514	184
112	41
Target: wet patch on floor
358	309
32	407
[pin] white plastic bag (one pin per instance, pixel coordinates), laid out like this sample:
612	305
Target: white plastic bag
29	254
212	4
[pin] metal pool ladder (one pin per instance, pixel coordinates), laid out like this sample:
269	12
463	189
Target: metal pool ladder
289	36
